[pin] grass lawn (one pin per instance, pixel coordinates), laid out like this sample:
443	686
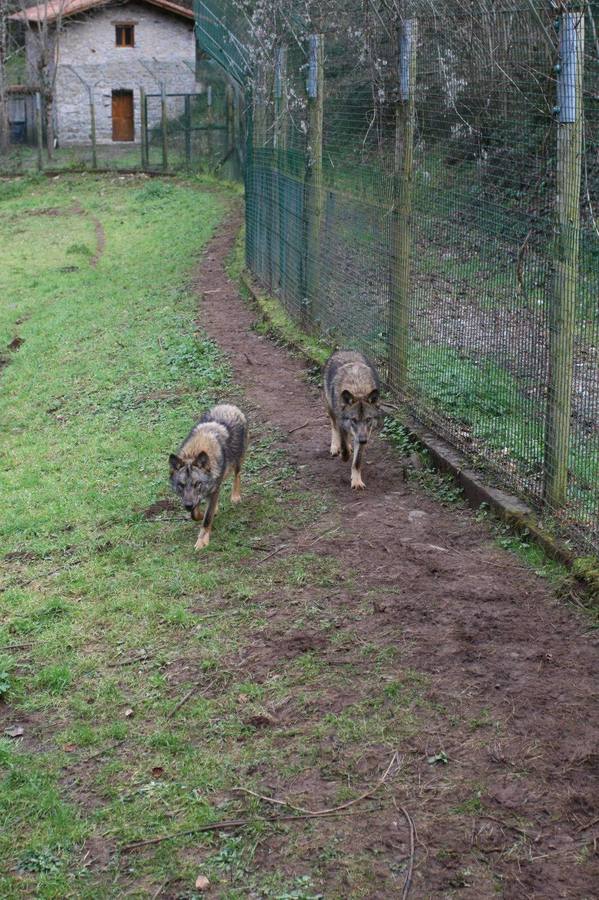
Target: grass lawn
107	616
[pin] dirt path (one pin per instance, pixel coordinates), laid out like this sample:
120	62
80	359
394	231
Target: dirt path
510	708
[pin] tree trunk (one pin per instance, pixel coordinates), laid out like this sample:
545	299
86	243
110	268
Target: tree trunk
4	126
49	123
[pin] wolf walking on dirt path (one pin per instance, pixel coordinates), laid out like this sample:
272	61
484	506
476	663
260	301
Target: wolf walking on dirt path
500	769
214	448
352	390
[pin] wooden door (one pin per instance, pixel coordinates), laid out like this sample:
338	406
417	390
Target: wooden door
122	116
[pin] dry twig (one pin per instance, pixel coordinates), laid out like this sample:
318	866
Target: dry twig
333	809
238	823
588	825
408	882
184	699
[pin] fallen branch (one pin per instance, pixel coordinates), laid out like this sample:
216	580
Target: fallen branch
333	809
266	799
507	825
184	699
588	825
238	823
408	882
272	553
104	750
129	662
299	427
16	646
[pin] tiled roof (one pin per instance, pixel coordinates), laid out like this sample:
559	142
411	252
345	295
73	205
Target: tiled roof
52	10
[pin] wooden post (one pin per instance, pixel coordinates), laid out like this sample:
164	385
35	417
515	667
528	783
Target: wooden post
209	123
143	124
188	130
92	116
250	217
258	212
401	221
229	129
313	182
562	312
164	127
280	219
39	129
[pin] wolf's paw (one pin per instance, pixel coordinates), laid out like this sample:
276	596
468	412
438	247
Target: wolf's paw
235	497
335	449
356	482
203	540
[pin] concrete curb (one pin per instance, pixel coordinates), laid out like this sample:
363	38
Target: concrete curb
508	508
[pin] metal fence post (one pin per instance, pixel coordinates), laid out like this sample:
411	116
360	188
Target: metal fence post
39	129
280	150
229	127
313	182
188	130
562	306
143	124
164	127
401	222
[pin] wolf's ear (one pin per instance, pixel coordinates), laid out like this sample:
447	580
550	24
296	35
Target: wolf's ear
202	461
373	397
175	462
347	397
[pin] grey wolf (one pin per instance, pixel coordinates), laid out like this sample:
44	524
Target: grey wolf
213	449
352	391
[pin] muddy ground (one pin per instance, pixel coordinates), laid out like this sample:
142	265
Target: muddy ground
506	800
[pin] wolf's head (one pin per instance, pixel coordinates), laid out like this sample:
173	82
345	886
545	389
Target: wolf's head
359	415
193	481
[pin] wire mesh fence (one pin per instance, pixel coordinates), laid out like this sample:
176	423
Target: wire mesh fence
421	184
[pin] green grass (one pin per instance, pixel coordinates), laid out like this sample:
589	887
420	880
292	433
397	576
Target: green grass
140	672
108	618
111	375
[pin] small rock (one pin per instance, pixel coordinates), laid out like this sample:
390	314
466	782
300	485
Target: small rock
14	731
202	883
128	713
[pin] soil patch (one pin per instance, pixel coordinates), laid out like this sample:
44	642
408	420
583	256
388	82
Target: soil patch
155	510
504	800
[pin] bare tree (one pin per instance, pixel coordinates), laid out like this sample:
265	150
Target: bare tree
43	24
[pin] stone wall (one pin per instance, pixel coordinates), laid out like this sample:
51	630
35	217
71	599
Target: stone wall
164	52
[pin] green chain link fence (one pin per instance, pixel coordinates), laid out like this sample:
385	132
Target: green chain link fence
421	183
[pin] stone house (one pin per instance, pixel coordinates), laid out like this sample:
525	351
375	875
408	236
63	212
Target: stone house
106	51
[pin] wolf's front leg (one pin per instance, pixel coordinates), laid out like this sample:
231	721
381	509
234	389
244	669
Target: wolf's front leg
236	490
204	535
356	468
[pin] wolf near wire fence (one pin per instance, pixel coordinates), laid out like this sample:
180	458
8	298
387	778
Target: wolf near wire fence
422	181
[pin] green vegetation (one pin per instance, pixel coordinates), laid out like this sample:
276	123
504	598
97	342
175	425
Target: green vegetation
127	712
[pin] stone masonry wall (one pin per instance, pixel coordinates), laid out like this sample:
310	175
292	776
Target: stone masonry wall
164	51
